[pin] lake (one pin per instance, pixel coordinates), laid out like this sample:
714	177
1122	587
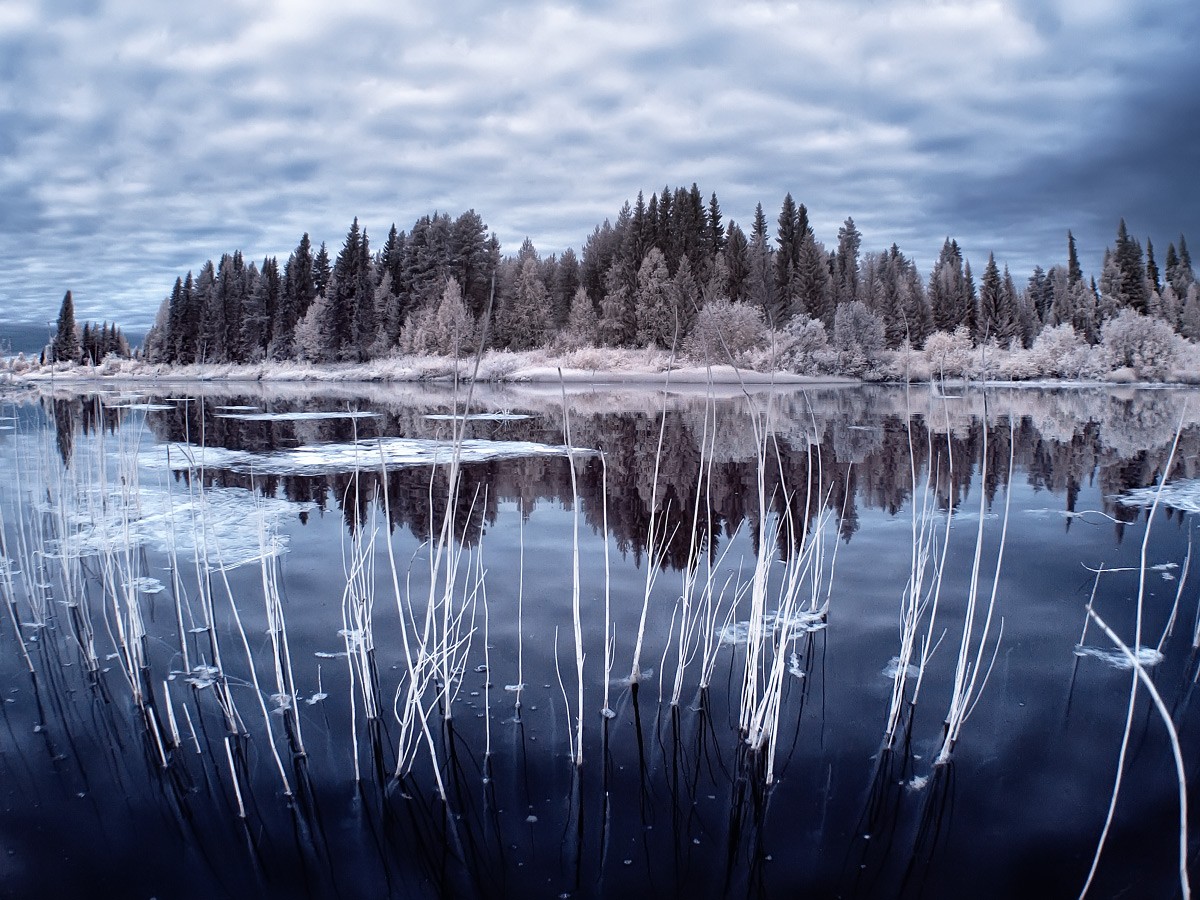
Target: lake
412	641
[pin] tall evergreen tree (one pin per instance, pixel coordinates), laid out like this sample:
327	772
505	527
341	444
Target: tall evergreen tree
65	346
1130	289
654	306
737	263
1152	276
1074	272
846	275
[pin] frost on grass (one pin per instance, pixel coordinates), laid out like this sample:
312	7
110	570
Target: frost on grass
798	624
224	527
334	458
1146	656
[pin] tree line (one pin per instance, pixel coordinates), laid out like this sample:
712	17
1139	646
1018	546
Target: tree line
666	272
89	343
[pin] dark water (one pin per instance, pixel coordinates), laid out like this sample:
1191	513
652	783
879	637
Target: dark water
283	778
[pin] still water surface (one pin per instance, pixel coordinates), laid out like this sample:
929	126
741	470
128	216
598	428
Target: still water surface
218	596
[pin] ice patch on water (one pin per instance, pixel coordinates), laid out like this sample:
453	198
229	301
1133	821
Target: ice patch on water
799	624
1147	656
296	416
892	669
145	585
794	666
143	407
334	458
224	526
477	417
1183	494
203	675
238	408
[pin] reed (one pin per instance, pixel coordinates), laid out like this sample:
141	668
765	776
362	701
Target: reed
967	685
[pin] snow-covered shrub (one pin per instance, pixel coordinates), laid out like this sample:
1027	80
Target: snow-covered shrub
722	330
1147	346
803	346
949	354
1015	365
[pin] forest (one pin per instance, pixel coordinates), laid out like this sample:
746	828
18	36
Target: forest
671	273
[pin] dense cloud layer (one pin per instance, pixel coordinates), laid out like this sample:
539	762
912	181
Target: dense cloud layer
139	139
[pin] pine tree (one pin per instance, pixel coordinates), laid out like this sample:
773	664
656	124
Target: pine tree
1074	272
298	290
737	263
527	320
1130	288
788	236
1152	276
582	323
715	242
846	276
469	261
65	346
813	285
997	319
618	322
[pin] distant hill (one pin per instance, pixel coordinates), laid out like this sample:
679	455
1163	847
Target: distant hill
30	337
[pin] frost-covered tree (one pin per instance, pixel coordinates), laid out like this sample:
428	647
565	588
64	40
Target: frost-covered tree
581	328
858	336
803	346
654	303
949	353
724	332
618	322
444	327
526	315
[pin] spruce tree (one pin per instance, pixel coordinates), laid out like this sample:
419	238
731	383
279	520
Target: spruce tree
1074	272
65	346
846	276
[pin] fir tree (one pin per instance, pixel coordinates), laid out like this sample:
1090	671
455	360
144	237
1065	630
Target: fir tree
846	275
1074	272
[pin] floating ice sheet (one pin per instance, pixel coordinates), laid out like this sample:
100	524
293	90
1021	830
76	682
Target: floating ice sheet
144	407
800	623
296	416
225	527
478	417
1183	494
1147	656
328	459
892	669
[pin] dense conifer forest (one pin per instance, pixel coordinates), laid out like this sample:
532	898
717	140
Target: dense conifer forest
670	272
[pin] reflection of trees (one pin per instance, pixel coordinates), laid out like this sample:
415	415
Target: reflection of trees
843	451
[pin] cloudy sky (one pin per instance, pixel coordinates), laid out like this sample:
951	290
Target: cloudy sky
140	138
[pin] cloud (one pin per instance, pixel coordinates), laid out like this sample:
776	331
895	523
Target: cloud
138	139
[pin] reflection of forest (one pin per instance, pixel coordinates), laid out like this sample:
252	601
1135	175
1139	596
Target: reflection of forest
840	449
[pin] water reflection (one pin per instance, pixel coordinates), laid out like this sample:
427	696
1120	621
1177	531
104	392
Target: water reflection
846	449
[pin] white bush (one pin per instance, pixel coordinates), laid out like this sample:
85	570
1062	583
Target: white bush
1148	346
803	346
949	354
722	330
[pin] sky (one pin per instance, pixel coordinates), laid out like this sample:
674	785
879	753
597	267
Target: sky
140	138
